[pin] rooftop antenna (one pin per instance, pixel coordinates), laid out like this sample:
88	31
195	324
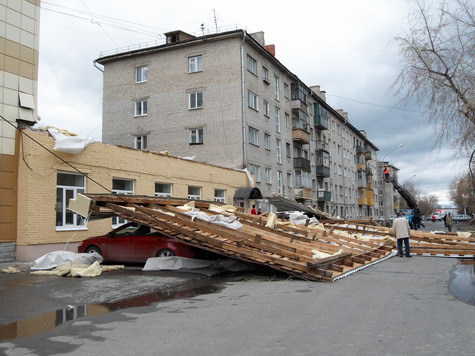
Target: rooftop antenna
203	28
215	21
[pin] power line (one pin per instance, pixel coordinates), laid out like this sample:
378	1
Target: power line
379	105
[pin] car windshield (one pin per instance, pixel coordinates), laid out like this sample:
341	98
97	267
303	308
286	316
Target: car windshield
134	229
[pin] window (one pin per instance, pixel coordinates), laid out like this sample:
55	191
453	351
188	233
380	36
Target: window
141	74
287	120
219	195
252	100
266	108
256	170
265	75
278	150
194	193
267	141
195	64
289	180
141	108
121	186
196	136
140	142
195	100
276	88
163	190
287	150
286	90
251	65
277	119
253	136
268	176
68	185
280	183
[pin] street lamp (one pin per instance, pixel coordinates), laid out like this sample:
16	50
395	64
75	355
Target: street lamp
394	149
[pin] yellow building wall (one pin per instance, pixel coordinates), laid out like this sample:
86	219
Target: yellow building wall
37	186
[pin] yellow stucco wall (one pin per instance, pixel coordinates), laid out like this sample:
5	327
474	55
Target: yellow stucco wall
37	185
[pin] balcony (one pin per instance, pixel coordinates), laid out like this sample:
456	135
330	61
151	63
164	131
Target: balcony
368	156
359	149
304	192
321	117
369	172
322	146
302	163
322	171
300	131
323	195
370	198
360	167
362	201
361	184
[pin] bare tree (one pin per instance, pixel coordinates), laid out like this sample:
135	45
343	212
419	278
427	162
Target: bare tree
462	194
438	56
427	204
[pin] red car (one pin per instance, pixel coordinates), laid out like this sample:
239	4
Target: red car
133	242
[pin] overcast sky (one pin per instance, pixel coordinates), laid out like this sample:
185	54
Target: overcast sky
342	45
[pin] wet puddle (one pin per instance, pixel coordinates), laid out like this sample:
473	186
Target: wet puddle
47	321
462	281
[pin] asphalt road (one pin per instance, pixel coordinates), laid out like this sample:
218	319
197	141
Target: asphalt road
400	306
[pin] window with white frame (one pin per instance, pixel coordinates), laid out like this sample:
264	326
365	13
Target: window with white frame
268	175
277	119
195	64
276	88
267	144
194	193
251	65
287	120
256	170
253	136
195	100
252	99
265	103
288	151
140	142
280	183
265	75
121	186
278	149
286	90
196	136
219	195
163	190
140	107
289	180
68	185
141	74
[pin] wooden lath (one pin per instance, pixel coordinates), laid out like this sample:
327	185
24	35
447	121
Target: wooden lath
285	248
422	242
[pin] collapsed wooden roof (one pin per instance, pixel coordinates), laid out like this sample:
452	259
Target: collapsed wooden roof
286	248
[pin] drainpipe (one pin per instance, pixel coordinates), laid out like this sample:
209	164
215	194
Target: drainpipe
243	107
95	65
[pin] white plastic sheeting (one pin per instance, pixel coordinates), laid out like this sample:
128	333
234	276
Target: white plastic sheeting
68	143
177	263
57	258
229	222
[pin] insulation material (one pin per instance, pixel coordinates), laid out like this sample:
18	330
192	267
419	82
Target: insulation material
229	222
57	258
69	144
318	255
177	263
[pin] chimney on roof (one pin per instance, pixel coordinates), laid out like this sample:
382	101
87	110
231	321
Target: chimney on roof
320	93
343	113
271	49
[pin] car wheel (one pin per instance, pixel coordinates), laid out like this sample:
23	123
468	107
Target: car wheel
92	249
166	252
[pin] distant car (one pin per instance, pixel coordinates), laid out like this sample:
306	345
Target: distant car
461	217
134	242
437	216
392	217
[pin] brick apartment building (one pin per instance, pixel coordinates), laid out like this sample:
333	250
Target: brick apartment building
226	99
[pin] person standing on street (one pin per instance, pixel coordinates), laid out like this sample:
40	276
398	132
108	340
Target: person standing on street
253	210
449	221
402	231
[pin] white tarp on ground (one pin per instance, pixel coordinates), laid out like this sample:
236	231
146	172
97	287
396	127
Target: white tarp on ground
176	263
56	258
229	222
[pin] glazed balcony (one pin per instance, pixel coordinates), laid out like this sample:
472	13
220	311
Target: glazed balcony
321	117
300	131
322	171
322	146
323	195
302	163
